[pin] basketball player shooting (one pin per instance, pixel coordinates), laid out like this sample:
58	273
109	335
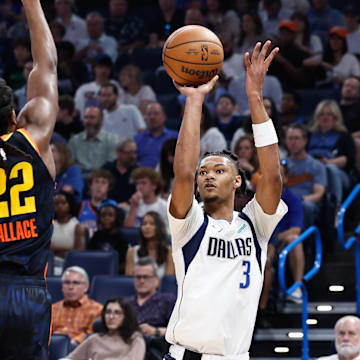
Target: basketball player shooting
220	254
27	173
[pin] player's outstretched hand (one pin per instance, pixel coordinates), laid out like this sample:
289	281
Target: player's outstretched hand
257	67
201	90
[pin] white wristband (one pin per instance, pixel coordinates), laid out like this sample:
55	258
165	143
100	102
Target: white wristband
264	134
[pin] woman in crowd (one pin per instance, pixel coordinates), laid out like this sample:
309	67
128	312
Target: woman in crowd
120	340
154	243
246	152
108	236
68	174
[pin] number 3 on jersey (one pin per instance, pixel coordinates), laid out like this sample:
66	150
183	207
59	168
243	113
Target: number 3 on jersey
246	281
28	182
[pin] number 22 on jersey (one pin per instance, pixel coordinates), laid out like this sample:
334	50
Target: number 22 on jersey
15	207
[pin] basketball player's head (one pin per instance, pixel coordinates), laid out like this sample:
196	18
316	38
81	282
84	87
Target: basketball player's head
347	332
219	177
7	111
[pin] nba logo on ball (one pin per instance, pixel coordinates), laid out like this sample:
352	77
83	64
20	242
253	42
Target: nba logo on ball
192	55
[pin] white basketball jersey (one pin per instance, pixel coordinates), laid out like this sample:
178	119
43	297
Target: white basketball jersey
219	270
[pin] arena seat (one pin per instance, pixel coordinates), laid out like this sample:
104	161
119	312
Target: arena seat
59	346
132	235
94	262
106	287
168	284
53	284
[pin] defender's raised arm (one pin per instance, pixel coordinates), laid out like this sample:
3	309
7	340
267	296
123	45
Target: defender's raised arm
188	149
268	190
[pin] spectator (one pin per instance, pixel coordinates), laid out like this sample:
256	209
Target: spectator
331	143
272	15
153	308
58	31
108	237
148	187
67	121
347	339
307	42
96	42
100	183
149	143
122	120
306	176
194	16
21	94
128	29
94	146
87	93
293	5
68	233
322	17
352	26
68	175
121	338
20	29
75	314
154	242
166	163
135	92
290	107
75	26
247	157
121	169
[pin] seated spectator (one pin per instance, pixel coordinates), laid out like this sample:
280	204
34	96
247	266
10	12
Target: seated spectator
68	234
290	107
306	41
226	120
75	26
57	31
247	158
331	143
127	28
94	146
100	183
87	93
135	92
75	314
351	14
194	16
165	168
96	42
148	187
150	142
68	175
21	94
108	237
153	308
306	176
121	338
122	120
347	339
121	169
154	242
67	120
20	29
337	64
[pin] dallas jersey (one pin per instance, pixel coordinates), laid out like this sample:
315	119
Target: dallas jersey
219	270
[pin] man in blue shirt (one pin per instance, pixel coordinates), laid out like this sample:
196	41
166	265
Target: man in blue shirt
149	143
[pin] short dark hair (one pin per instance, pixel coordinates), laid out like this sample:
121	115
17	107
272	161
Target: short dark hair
148	173
67	102
227	96
234	159
304	130
112	85
102	173
73	206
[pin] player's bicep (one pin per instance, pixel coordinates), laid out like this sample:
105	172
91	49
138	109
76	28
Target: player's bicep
181	197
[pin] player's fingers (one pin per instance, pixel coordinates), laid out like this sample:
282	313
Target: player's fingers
213	80
178	86
264	50
270	58
256	51
247	60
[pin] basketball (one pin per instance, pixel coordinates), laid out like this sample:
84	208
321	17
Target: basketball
192	55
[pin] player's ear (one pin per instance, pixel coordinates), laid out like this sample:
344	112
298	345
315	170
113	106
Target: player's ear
237	182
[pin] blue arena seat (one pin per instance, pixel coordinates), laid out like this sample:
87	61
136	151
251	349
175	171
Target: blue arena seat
59	346
105	287
94	262
168	284
54	286
132	234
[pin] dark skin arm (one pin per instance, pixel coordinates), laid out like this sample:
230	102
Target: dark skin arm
39	114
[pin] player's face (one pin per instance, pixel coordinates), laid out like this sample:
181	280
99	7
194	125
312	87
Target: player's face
216	179
108	217
114	316
348	338
73	286
145	280
99	188
148	227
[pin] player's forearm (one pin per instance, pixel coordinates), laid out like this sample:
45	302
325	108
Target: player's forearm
42	44
188	144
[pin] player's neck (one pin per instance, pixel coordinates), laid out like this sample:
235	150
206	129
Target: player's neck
220	211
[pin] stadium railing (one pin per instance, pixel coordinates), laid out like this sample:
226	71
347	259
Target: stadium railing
354	239
313	230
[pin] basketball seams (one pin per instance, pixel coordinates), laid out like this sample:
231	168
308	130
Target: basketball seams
189	82
192	63
195	41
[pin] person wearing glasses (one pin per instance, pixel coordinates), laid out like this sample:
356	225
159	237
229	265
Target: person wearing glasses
120	339
75	314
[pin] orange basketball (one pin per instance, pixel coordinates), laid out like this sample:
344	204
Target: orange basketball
192	55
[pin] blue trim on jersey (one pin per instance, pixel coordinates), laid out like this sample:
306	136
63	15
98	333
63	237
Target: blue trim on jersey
257	245
191	248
